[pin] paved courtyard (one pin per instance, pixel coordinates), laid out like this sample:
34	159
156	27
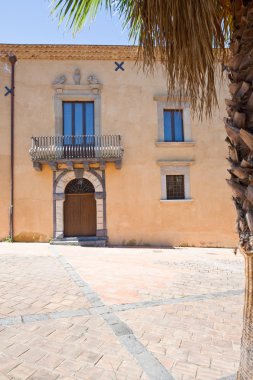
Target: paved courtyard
117	313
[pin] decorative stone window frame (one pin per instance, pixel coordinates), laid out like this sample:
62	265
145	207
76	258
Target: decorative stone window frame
175	168
61	179
77	93
166	103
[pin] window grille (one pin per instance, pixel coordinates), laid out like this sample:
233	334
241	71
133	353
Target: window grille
79	186
175	186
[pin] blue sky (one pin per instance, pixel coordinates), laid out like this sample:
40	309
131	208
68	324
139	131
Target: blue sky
29	22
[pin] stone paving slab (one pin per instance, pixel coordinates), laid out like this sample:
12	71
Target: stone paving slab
77	348
193	338
113	313
128	276
35	283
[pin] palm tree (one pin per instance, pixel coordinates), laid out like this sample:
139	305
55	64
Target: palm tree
189	38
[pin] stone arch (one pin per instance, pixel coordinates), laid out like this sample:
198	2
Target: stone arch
69	176
60	183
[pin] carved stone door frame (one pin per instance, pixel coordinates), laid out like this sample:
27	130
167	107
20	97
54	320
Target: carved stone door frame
61	179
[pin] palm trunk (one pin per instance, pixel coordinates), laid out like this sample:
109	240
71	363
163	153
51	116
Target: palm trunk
239	127
246	362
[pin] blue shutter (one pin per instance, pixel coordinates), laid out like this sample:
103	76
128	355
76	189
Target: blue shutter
78	119
167	119
89	118
178	126
67	118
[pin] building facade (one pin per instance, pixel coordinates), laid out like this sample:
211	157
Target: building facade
102	155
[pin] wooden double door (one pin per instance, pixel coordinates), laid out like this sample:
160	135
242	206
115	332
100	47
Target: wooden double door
80	215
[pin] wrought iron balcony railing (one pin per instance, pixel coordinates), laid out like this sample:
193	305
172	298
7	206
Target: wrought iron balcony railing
61	148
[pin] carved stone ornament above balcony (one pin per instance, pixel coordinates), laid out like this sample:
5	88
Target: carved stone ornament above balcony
61	85
60	79
77	76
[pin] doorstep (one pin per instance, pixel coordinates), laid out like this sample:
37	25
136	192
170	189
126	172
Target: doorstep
83	241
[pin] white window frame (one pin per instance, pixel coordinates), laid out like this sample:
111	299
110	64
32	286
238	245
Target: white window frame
163	103
175	168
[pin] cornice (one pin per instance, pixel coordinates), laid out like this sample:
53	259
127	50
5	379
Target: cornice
70	52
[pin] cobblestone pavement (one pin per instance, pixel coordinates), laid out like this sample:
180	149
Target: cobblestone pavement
117	313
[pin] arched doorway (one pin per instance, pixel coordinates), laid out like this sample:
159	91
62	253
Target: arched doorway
79	208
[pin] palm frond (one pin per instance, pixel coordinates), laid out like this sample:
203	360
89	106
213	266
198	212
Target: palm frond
77	12
187	36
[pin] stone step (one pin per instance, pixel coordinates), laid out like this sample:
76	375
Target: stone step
87	241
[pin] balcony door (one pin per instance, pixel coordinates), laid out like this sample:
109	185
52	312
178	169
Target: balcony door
78	128
79	209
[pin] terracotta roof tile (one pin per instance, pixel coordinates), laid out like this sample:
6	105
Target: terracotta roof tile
70	52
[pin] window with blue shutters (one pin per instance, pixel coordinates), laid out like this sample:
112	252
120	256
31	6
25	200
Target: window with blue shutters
173	125
78	118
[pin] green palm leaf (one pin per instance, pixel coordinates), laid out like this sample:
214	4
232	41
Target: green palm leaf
182	34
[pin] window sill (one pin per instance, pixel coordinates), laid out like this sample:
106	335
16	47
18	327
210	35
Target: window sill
176	200
167	144
174	163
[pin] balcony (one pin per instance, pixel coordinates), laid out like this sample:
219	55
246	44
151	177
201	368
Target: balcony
71	150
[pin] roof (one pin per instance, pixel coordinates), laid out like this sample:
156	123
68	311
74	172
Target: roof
70	52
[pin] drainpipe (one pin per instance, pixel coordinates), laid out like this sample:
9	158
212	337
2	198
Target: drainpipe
13	60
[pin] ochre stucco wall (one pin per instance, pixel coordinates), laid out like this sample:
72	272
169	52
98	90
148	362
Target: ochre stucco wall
135	214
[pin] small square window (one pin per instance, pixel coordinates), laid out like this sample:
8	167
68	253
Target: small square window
173	125
175	186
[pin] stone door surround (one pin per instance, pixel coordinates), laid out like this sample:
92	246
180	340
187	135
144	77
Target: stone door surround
61	179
